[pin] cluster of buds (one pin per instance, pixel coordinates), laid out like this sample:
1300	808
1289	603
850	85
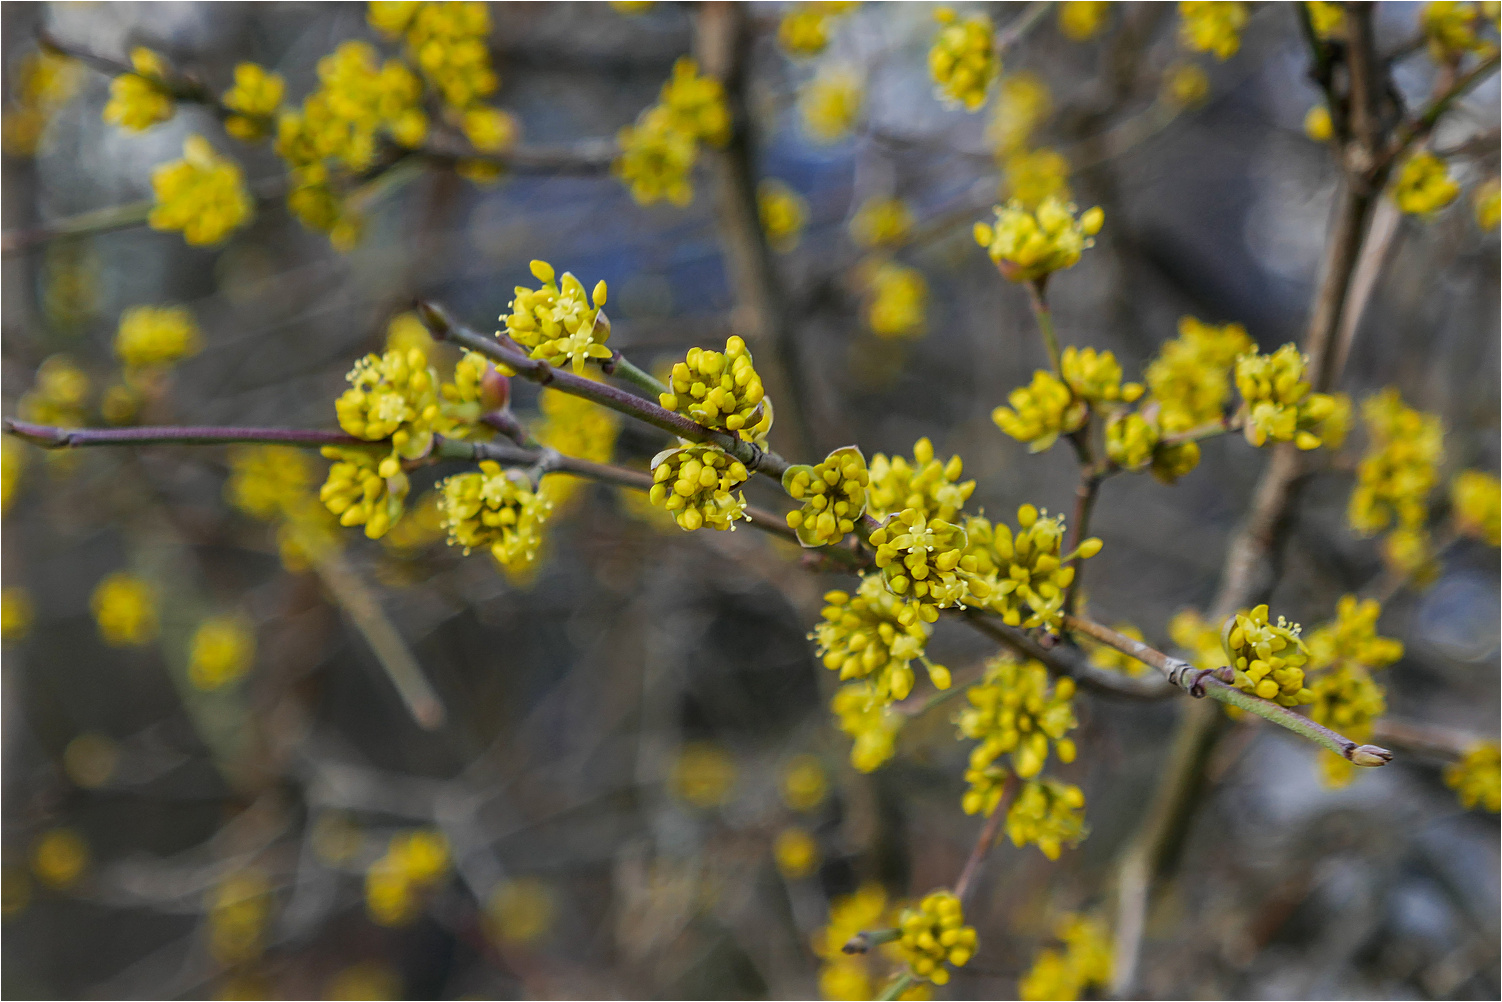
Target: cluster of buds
1041	412
1212	26
925	483
1400	467
875	635
1028	574
1029	244
720	390
833	494
695	483
1049	814
1267	657
869	721
494	509
1424	185
1014	711
1476	506
1085	960
933	934
804	30
1280	406
925	558
1096	376
557	321
1476	777
364	488
963	60
392	396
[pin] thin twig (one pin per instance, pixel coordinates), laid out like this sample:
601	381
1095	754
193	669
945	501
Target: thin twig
986	839
1068	661
50	437
1425	739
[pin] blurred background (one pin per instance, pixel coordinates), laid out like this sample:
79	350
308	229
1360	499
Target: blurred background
632	730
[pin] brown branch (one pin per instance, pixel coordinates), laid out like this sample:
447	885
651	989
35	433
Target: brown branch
1425	739
50	437
1068	661
987	838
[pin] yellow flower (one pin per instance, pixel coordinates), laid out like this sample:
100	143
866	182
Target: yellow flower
13	460
1476	777
875	636
934	933
697	103
256	96
830	103
1351	639
1132	442
59	857
360	493
1013	711
45	81
1400	466
881	222
926	558
1476	506
1279	404
1096	376
521	911
557	322
1040	412
1212	26
963	60
703	776
1317	124
392	396
1085	962
1082	20
239	911
1026	573
1031	176
490	130
16	613
124	606
1190	378
224	648
1027	245
357	100
58	396
783	214
656	159
804	785
497	510
927	484
1268	657
1327	19
268	482
898	298
1023	104
156	336
694	483
804	30
833	494
449	42
1424	185
1487	203
1453	29
796	853
1048	814
397	882
1185	85
866	716
721	390
203	195
141	99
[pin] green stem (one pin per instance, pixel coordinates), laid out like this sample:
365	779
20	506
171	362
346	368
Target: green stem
863	941
620	365
115	217
1026	22
1045	323
896	988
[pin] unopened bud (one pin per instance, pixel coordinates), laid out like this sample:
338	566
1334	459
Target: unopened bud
495	390
1370	755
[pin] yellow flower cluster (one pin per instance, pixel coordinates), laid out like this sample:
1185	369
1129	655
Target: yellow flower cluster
925	557
124	607
1031	176
1212	26
1082	20
1424	185
934	933
804	784
833	494
898	299
1040	412
925	483
1327	19
254	99
575	427
659	151
16	613
796	853
1185	85
1476	777
1085	962
1476	506
870	721
875	636
694	484
1096	376
363	488
141	99
830	103
963	60
392	396
881	222
1318	125
59	857
521	911
1132	442
1024	103
495	509
449	42
1026	245
721	390
1013	711
1399	468
45	81
852	976
223	649
1049	814
1280	406
239	909
804	30
1487	203
153	336
783	214
203	195
556	321
1190	377
1268	657
703	775
395	884
1349	701
1455	28
274	483
1026	575
59	395
1351	639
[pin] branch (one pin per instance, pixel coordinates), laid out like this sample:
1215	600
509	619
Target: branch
1416	130
987	838
1425	739
50	437
1069	662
